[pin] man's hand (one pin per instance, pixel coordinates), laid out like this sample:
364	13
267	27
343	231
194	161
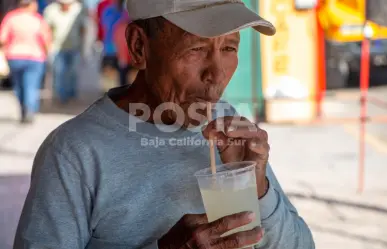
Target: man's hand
194	232
237	140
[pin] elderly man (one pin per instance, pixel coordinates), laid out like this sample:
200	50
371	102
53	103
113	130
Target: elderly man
116	177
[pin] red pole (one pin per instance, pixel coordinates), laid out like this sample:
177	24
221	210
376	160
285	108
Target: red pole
320	63
364	84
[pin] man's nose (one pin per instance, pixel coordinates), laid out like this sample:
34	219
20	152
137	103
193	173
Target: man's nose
215	71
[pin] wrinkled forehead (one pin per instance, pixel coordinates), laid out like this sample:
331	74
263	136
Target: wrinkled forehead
189	39
176	39
234	37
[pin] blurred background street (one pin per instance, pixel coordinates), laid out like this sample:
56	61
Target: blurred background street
315	148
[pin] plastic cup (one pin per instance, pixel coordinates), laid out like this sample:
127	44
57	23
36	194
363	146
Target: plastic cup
233	189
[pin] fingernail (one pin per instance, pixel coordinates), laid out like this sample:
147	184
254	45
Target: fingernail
231	128
251	216
254	144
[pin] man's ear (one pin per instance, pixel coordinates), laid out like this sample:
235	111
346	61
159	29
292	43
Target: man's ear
136	41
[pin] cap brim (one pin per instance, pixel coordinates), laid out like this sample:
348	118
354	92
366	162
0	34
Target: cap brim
221	19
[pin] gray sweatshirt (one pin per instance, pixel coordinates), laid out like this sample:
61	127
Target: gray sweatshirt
105	180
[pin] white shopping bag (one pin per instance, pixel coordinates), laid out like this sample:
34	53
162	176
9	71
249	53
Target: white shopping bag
4	68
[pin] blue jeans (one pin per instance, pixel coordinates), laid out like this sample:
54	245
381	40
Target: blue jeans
65	68
26	76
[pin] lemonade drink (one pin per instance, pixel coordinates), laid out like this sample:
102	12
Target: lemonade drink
231	190
222	203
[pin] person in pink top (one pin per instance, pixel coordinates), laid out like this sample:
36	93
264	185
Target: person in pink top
25	39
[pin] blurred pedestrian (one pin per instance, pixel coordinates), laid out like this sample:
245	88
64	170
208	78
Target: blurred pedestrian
41	5
125	69
100	8
25	38
110	17
67	20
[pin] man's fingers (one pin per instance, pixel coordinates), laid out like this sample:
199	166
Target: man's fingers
193	220
222	124
240	240
234	128
247	133
259	146
225	224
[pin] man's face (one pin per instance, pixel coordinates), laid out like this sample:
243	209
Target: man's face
185	69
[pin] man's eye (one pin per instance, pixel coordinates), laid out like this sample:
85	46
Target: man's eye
230	49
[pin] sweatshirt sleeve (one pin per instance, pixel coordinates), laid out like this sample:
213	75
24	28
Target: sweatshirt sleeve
284	228
57	209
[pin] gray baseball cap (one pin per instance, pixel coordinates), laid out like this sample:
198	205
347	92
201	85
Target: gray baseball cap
204	18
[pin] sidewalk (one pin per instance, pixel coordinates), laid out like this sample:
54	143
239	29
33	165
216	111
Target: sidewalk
316	165
19	143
